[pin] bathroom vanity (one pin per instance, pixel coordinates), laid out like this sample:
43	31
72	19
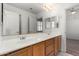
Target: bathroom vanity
45	34
47	47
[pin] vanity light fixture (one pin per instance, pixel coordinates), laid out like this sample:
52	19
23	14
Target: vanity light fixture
73	11
47	7
44	7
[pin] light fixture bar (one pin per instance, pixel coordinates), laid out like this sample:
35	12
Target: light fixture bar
46	7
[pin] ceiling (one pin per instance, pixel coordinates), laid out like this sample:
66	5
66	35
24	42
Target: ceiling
37	7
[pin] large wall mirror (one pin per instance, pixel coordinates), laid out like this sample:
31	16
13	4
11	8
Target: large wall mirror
19	22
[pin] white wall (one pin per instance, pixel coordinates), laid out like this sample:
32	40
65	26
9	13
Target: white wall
73	26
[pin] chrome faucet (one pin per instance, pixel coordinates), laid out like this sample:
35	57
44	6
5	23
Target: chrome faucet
22	38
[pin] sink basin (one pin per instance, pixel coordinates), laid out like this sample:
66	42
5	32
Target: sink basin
28	39
32	39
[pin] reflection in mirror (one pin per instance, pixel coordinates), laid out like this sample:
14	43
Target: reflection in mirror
39	25
55	22
24	24
19	19
32	24
52	22
48	23
10	23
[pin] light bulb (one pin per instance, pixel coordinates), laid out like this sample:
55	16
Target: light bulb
73	12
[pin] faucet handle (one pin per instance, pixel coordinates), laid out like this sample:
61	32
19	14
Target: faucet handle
22	37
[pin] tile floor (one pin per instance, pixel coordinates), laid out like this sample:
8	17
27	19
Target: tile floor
64	54
73	47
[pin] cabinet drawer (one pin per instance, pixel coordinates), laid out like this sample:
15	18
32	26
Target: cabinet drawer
49	42
49	49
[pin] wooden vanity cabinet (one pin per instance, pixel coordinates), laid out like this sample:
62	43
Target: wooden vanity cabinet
39	49
34	50
48	47
22	52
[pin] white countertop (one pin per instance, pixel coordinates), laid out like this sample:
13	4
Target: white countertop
7	46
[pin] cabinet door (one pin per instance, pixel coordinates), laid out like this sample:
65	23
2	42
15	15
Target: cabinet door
23	52
50	50
57	44
50	47
39	49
